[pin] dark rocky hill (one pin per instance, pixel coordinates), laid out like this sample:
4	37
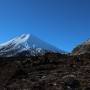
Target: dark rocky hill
51	71
82	48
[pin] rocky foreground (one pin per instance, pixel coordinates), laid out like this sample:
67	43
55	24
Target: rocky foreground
47	72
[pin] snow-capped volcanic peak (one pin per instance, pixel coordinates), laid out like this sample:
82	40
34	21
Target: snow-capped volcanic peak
17	40
22	38
26	42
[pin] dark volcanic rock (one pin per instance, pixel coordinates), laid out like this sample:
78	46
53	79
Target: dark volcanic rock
51	71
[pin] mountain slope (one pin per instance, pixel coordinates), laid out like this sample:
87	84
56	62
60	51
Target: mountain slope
29	44
82	48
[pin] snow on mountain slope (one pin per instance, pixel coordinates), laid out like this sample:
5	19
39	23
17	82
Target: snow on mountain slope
26	43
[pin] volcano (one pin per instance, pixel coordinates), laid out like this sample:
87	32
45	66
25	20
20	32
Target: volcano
26	45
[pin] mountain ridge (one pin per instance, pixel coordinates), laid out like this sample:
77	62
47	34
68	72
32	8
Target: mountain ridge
82	48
